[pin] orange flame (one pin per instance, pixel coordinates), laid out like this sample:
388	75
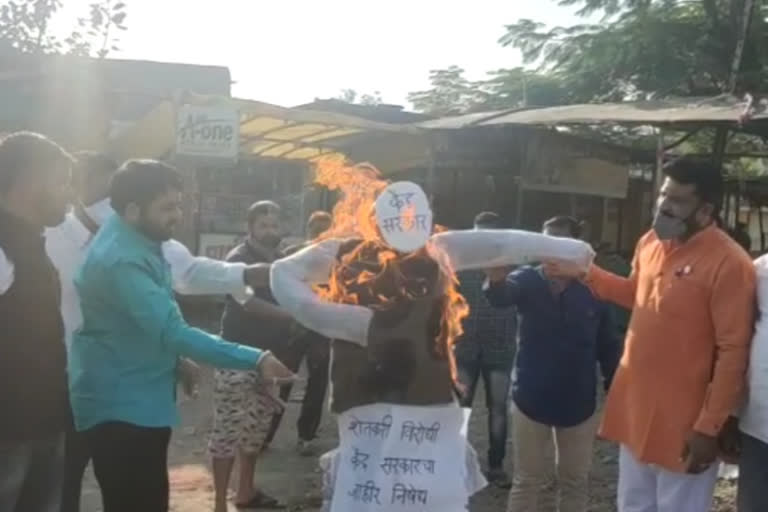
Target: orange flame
371	273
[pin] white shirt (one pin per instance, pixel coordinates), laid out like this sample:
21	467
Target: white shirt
754	417
67	244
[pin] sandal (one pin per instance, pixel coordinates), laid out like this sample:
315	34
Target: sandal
261	501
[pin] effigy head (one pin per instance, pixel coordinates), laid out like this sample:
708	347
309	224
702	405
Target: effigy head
383	264
403	216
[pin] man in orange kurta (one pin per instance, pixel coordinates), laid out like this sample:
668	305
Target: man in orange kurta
692	294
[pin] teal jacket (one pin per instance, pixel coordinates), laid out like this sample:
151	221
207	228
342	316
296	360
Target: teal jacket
122	363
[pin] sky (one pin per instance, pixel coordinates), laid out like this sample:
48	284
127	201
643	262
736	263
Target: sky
289	52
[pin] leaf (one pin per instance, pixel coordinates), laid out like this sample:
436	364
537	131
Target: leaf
118	18
97	16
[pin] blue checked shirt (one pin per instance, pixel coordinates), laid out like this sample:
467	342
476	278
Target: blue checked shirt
490	334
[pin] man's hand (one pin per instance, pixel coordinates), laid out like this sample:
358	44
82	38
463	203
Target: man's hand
496	275
699	452
561	269
273	372
188	374
729	441
257	276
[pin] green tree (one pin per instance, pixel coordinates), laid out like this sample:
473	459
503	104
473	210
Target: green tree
352	96
451	93
25	27
648	48
519	87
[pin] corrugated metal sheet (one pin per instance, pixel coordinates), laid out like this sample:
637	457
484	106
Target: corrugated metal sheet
724	109
462	121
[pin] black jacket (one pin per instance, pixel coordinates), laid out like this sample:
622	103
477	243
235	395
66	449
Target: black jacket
33	381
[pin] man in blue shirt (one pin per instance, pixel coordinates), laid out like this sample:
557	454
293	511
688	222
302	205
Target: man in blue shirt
564	332
123	360
487	350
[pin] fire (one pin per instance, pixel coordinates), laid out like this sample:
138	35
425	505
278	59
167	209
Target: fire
372	274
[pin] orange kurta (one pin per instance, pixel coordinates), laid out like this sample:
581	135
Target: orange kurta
687	345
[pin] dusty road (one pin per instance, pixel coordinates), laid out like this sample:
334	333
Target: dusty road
295	479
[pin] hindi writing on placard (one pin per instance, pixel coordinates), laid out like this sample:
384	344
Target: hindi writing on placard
419	433
405	466
400	200
405	223
408	495
366	493
360	460
371	429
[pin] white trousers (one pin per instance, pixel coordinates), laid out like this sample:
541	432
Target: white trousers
649	488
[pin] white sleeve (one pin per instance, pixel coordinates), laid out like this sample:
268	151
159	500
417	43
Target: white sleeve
203	276
291	280
483	248
7	273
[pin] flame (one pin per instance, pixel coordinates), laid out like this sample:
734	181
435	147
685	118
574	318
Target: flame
371	273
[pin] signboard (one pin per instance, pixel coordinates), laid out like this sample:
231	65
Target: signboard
553	166
402	458
217	245
211	134
589	176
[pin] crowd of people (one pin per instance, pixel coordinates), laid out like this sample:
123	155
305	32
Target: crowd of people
94	346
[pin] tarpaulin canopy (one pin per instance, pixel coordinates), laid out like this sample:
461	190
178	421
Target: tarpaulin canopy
271	131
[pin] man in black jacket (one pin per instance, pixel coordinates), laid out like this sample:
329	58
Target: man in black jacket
317	351
34	191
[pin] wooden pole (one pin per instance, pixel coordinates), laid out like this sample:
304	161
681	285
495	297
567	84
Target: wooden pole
620	229
431	171
519	204
658	172
738	53
520	192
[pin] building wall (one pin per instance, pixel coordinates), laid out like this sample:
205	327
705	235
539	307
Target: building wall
80	102
224	197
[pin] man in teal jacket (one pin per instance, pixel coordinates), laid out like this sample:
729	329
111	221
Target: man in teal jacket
123	360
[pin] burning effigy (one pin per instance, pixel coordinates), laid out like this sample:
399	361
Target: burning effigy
381	284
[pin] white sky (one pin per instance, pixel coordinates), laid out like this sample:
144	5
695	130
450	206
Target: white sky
291	51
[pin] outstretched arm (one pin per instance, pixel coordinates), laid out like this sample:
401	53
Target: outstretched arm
482	249
615	288
203	276
612	287
507	292
152	307
291	280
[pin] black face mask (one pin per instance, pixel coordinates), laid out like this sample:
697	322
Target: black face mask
270	241
671	227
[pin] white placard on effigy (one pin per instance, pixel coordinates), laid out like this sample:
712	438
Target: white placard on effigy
402	458
404	216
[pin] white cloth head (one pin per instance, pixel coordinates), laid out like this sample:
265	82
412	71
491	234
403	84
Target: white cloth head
403	216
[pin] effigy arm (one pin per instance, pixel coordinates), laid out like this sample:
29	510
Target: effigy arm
292	280
485	248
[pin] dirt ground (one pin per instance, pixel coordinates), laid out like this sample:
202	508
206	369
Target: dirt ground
296	480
